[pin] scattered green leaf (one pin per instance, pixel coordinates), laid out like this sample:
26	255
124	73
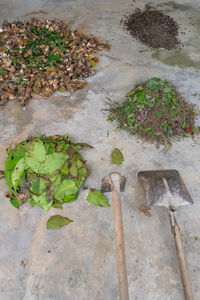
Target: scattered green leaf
97	198
57	221
117	157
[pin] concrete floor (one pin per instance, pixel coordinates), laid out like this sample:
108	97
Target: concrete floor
78	262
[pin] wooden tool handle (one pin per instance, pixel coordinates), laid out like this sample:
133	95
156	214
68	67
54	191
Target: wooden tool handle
120	247
182	263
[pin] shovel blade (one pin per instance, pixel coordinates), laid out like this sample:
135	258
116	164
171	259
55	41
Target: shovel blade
165	188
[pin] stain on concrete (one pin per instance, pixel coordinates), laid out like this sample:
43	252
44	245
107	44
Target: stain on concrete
169	6
176	58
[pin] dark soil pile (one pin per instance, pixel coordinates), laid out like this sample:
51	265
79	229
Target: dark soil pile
155	111
41	57
153	28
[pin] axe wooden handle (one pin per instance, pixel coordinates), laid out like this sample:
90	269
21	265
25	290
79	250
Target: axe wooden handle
120	247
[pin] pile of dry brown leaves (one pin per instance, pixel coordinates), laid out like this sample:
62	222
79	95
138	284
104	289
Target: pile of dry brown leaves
41	57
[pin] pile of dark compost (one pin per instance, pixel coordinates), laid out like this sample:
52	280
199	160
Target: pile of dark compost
155	111
153	28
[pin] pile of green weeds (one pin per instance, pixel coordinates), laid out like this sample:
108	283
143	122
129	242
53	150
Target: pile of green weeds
155	111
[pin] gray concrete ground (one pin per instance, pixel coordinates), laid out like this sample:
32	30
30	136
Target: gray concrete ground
78	262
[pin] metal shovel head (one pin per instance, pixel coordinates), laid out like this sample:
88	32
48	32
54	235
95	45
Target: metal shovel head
165	188
107	185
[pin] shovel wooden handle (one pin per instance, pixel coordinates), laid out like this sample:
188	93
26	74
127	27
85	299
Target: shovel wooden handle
120	247
182	263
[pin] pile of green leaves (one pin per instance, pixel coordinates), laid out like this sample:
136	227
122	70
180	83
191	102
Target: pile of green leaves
155	111
46	171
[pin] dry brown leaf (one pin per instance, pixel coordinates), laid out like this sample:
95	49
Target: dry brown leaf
145	210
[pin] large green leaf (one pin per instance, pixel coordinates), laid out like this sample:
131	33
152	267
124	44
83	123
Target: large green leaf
39	185
57	221
82	173
53	162
97	198
42	201
67	187
117	157
34	164
65	170
10	164
43	184
18	171
35	185
20	149
56	181
70	198
73	169
39	151
22	180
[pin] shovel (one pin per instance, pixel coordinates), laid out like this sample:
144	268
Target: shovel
166	188
116	183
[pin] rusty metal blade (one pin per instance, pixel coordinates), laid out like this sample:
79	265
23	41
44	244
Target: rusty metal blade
164	188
